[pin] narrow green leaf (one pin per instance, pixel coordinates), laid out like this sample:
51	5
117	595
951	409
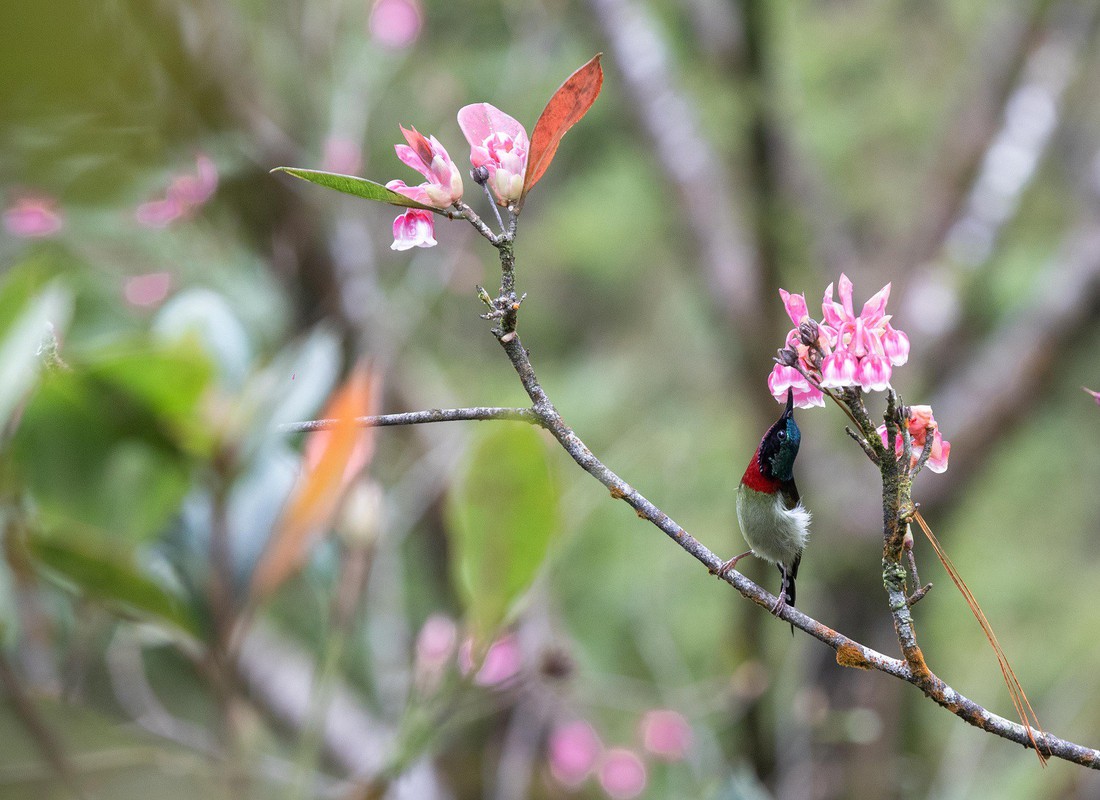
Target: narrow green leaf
503	516
111	576
349	184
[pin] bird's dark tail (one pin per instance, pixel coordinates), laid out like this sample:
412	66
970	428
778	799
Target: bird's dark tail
787	587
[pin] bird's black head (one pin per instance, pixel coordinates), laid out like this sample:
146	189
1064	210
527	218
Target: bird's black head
780	445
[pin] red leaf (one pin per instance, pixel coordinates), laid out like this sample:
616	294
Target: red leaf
332	459
570	102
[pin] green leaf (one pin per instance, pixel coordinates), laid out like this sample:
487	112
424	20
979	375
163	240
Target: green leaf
503	515
349	184
113	576
111	443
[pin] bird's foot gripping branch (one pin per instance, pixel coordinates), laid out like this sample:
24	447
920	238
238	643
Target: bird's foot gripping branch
844	356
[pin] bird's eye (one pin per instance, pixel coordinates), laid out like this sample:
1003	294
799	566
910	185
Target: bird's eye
782	434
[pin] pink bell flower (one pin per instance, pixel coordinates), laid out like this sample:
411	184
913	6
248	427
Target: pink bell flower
428	157
805	394
500	144
414	228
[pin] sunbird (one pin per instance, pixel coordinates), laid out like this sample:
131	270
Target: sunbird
773	520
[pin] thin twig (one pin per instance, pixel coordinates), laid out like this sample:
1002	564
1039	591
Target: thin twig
418	418
45	739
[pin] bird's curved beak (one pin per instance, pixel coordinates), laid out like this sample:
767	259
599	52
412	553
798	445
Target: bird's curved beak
790	403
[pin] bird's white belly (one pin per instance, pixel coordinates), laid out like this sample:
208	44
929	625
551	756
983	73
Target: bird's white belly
773	531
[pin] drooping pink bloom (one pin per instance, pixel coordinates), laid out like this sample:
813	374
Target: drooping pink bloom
428	157
499	143
622	774
666	734
395	23
806	395
33	218
920	421
414	228
573	751
1095	395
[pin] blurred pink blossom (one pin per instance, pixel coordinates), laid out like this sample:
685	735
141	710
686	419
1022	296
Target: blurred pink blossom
33	218
341	155
574	749
414	228
499	143
186	192
436	643
666	734
147	290
435	647
395	24
622	774
502	661
1095	395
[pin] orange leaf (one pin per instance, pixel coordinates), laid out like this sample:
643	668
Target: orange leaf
570	102
332	459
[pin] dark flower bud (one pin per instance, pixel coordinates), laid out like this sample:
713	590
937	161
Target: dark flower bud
788	358
480	174
808	332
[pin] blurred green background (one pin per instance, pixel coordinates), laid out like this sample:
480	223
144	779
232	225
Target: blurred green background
197	302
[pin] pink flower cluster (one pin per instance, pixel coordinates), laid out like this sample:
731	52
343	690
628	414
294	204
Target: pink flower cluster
920	421
855	350
498	144
575	752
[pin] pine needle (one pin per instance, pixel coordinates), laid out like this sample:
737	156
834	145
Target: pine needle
1019	700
